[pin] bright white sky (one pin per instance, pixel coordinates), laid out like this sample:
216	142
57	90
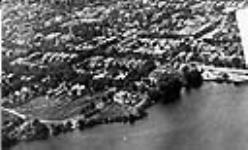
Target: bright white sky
242	18
0	45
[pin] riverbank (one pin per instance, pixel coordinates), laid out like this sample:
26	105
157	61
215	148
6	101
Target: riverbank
68	65
200	115
230	75
164	85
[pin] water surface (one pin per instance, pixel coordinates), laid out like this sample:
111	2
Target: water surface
213	117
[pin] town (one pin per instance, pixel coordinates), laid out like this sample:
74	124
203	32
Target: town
76	65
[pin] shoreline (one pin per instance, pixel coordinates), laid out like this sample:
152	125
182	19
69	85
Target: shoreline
80	122
69	66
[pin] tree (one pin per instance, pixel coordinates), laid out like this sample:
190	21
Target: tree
170	85
192	76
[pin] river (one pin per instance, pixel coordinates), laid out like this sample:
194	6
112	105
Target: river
213	117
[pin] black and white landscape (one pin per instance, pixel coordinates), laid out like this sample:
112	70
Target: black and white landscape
70	67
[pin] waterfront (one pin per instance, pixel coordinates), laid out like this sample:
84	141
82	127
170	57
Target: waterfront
212	117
